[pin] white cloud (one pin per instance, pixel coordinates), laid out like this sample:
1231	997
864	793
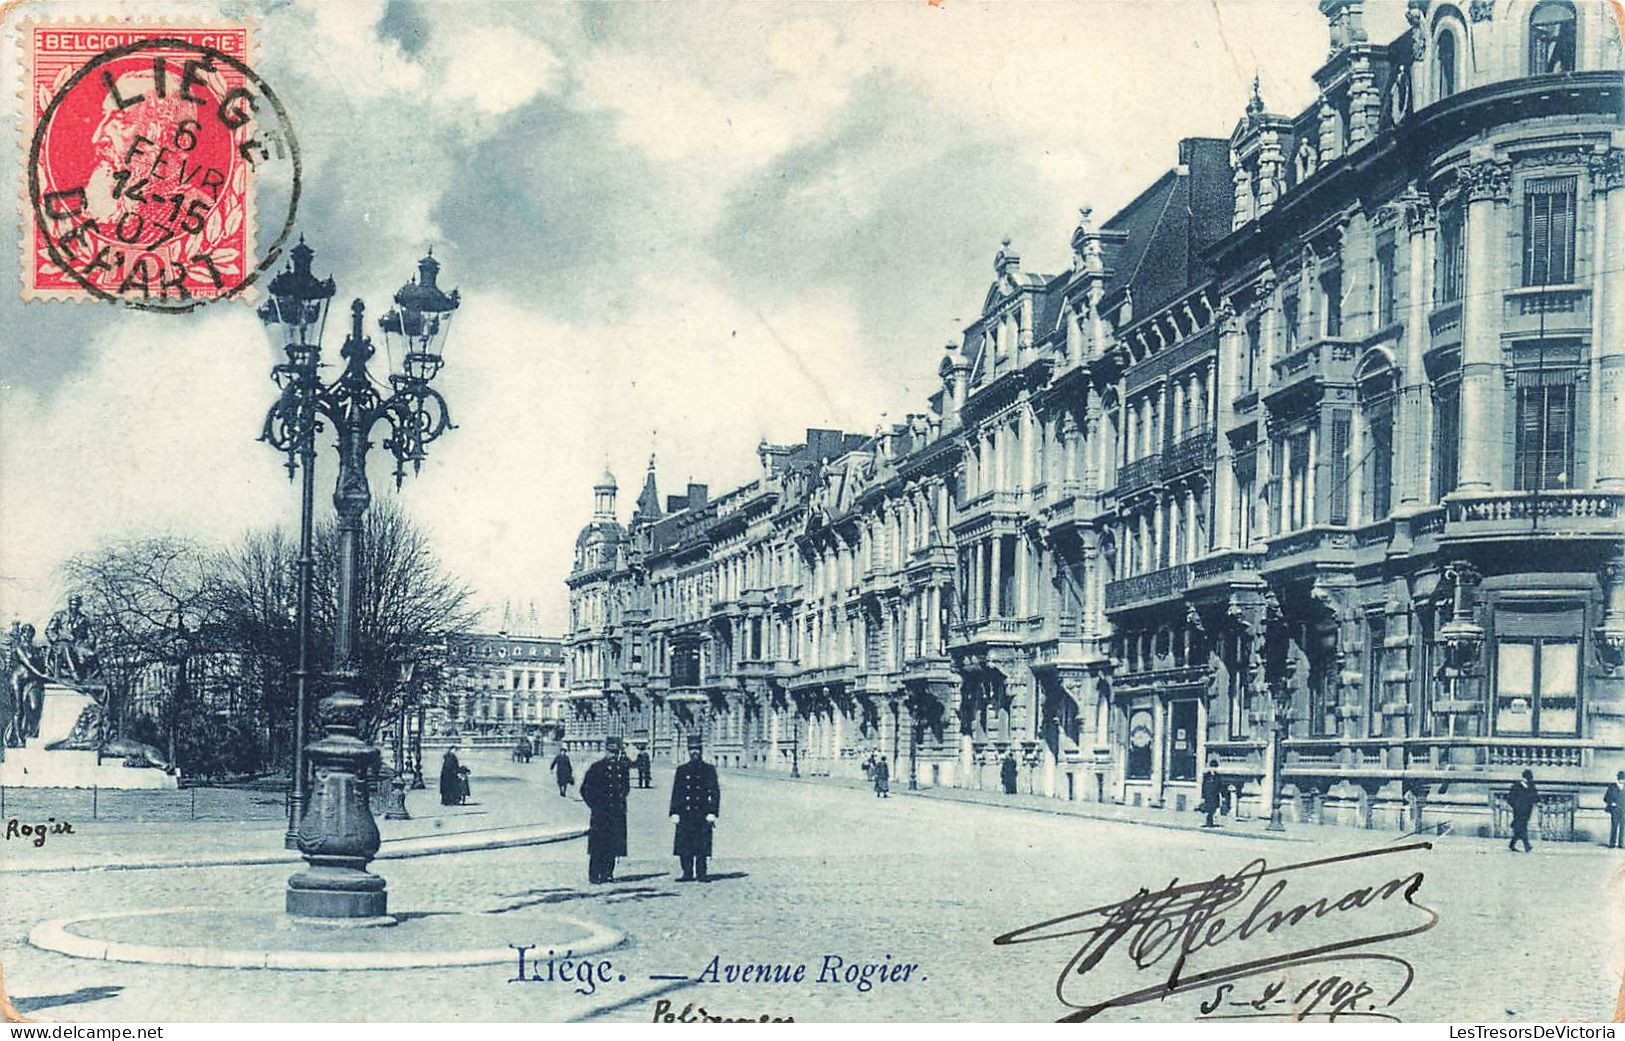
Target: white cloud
497	69
157	435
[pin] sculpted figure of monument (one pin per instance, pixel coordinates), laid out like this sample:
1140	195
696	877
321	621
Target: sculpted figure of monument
72	639
25	687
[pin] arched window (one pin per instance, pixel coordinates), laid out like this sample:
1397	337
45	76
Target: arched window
1551	38
1444	65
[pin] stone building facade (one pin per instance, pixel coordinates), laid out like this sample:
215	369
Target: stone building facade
1306	471
508	683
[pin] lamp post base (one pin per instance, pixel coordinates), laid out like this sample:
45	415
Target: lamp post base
336	893
395	809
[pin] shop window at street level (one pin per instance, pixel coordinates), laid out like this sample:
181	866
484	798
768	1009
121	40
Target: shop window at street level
1182	717
1537	686
1141	732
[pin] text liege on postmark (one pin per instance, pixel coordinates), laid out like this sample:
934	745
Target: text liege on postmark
146	146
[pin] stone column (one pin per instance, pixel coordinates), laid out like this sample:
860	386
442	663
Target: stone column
995	584
1608	317
1486	183
1413	419
1221	395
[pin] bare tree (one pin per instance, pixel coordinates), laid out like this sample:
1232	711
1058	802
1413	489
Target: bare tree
407	607
154	604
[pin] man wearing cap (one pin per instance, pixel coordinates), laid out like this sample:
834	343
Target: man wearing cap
603	788
695	801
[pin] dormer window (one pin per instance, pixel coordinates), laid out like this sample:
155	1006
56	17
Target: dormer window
1551	38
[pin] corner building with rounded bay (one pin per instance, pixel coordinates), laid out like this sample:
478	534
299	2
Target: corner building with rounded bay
1310	465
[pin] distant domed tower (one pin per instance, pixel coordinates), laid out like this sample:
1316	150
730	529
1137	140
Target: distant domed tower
599	543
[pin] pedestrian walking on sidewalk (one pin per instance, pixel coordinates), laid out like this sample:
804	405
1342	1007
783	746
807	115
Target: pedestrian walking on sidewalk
1614	799
882	775
604	788
1522	797
451	780
645	769
696	799
1007	773
1212	792
563	772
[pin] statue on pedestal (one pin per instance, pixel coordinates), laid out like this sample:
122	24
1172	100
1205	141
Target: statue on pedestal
72	639
25	691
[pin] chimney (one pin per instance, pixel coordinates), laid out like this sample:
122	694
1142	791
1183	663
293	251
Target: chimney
696	495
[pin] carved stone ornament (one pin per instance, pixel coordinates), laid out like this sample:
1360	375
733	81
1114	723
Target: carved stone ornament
1607	169
1487	180
1481	10
1420	215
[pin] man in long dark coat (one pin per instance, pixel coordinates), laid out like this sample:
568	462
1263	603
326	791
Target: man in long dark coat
1212	792
696	799
1614	800
1007	773
1522	797
604	788
563	771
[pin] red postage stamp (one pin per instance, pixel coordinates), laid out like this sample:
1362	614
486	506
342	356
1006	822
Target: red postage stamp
144	149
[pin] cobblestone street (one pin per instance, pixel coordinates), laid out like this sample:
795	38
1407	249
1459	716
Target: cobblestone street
805	871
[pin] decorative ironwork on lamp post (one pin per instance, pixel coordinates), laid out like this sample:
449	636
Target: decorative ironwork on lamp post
297	309
337	833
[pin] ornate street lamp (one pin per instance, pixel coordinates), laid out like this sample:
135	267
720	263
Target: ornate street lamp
395	809
337	833
297	313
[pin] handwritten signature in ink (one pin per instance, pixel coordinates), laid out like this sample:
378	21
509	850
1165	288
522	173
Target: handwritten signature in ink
1261	920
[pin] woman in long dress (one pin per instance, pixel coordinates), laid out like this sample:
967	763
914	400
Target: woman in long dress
451	780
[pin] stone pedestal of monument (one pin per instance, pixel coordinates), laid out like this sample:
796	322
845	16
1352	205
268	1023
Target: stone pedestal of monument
36	766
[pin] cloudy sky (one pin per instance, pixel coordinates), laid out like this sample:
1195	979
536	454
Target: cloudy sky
683	226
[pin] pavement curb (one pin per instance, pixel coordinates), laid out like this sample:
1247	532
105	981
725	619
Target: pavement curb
1135	822
54	935
393	849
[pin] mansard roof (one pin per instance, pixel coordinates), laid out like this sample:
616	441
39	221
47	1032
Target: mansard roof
1165	229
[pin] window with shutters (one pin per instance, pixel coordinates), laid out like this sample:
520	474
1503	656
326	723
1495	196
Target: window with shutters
1386	282
1242	511
1298	504
1446	438
1342	429
1277	479
1376	635
1548	231
1376	488
1545	430
1450	257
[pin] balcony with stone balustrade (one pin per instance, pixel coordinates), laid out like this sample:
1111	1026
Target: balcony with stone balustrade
1534	515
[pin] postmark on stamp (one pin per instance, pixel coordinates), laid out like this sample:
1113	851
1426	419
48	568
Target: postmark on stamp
149	150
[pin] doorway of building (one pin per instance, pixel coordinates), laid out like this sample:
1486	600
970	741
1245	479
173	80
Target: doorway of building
1182	740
